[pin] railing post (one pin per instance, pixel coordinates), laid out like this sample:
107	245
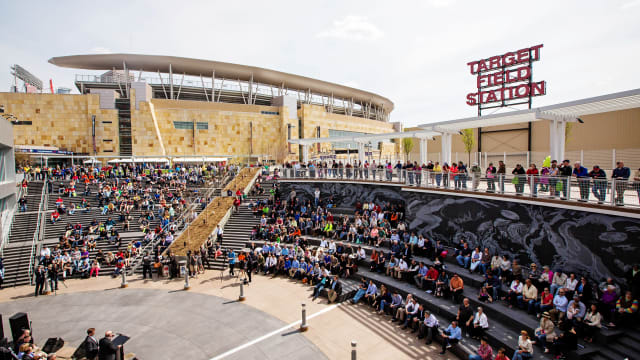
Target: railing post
47	285
303	324
186	279
241	297
568	187
124	282
613	191
353	350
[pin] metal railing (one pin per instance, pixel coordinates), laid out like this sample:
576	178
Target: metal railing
38	234
7	220
614	192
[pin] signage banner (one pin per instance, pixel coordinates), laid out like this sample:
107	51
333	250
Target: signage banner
506	80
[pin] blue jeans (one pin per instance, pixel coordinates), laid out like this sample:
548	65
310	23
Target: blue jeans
542	340
318	290
463	260
484	267
358	295
382	304
519	355
475	357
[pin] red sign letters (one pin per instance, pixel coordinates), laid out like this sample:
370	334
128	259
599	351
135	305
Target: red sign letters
506	77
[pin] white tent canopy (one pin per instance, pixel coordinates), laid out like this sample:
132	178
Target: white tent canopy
198	159
91	161
138	160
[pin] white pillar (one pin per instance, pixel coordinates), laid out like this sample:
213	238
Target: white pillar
446	148
305	153
361	152
557	139
423	151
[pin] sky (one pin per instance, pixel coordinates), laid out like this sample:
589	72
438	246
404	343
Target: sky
413	52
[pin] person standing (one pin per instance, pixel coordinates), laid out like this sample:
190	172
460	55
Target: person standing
232	262
565	172
146	265
40	279
519	179
106	349
599	183
621	175
91	345
491	174
502	171
582	174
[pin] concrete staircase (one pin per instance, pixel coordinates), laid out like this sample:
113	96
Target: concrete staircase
17	253
237	230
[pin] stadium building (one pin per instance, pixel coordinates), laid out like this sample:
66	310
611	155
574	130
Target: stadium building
145	105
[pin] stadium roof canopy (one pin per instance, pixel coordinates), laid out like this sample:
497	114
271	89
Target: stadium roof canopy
197	67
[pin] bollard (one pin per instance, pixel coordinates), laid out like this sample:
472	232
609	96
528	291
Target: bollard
186	280
124	283
241	297
303	324
353	349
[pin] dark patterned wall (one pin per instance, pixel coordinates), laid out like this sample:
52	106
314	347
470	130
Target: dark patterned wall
585	242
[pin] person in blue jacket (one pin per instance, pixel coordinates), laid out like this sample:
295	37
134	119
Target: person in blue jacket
582	174
621	174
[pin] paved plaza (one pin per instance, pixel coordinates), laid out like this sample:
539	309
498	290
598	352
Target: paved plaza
207	322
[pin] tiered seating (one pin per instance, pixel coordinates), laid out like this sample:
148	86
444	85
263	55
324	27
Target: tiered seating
17	253
505	322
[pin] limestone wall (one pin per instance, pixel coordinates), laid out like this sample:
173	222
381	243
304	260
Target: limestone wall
63	121
166	127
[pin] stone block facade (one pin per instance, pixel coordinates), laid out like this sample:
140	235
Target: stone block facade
162	127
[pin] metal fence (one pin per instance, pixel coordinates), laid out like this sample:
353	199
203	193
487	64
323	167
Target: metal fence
606	159
613	192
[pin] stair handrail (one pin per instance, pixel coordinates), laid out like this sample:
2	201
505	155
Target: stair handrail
7	221
38	233
178	222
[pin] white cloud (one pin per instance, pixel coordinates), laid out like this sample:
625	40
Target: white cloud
101	50
441	3
630	4
352	27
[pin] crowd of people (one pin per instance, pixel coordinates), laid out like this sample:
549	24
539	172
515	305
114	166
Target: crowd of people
568	306
554	179
158	195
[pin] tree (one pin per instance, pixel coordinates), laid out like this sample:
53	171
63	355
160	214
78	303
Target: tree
469	142
567	133
407	146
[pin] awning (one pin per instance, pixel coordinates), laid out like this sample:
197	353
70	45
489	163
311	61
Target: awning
199	159
138	160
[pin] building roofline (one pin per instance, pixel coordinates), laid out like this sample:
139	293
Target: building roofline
198	67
